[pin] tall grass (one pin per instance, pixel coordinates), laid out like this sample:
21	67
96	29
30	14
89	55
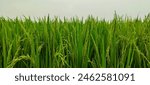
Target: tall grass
90	43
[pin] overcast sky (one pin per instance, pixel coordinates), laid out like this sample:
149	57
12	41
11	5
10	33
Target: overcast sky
70	8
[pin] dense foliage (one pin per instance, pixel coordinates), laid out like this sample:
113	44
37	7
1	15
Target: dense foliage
90	43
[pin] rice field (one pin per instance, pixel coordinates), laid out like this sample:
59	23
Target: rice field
75	43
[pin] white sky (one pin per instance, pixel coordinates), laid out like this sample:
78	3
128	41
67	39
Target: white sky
69	8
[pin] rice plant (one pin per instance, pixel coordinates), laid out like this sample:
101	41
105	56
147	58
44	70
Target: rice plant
75	43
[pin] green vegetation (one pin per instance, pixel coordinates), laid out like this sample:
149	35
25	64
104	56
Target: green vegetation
90	43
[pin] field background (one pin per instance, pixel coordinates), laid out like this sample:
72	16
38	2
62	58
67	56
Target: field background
75	43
